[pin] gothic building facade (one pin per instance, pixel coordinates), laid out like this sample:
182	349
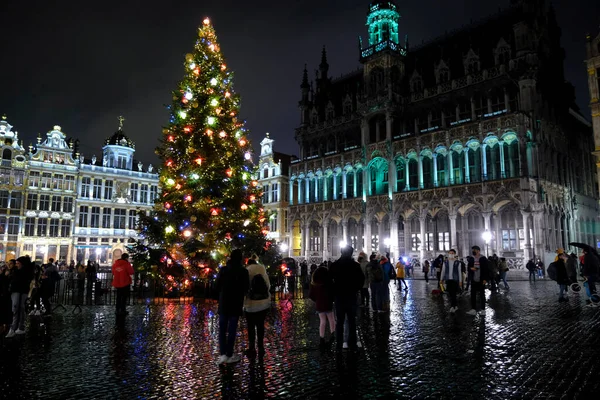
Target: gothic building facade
593	72
55	204
427	148
273	169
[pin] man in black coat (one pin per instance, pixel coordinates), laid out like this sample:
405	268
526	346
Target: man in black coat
591	268
480	267
20	284
232	284
347	278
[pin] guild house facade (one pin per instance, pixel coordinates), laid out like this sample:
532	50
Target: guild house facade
471	139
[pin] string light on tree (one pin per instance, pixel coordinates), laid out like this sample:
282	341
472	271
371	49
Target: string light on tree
204	178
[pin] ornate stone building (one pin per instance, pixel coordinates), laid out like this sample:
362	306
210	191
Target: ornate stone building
431	146
274	180
593	69
55	204
110	193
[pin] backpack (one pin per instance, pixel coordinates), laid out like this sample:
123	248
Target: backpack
377	273
258	288
551	271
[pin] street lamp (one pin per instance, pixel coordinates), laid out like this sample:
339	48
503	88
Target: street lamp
487	237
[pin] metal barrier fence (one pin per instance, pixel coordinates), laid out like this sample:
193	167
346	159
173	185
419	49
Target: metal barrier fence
74	291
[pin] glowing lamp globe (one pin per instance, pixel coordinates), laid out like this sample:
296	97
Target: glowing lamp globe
187	233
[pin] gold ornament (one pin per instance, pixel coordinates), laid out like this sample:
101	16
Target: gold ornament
195	104
228	154
193	218
189	57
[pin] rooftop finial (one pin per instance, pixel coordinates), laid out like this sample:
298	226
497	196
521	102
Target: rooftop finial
121	119
267	134
3	117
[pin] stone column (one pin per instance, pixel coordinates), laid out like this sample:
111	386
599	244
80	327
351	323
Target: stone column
407	173
450	173
306	240
325	197
484	174
499	248
395	251
502	161
453	238
382	235
527	246
344	194
486	223
345	231
389	121
391	178
407	237
334	179
291	196
421	180
324	238
367	236
422	221
538	234
467	173
366	183
307	194
435	170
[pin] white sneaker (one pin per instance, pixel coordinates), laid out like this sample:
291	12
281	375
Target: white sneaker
359	344
10	333
223	359
20	331
345	345
482	312
471	312
233	359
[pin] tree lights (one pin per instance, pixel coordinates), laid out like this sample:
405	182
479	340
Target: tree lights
207	207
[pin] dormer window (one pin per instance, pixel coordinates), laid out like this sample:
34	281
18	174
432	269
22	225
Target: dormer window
442	73
502	53
471	63
330	112
416	83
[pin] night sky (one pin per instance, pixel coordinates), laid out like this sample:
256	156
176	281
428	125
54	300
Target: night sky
82	64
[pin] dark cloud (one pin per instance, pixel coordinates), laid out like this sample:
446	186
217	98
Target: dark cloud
81	65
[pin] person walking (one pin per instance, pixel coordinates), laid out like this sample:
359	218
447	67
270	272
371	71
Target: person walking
503	266
562	278
426	267
364	292
375	279
6	316
479	265
20	285
232	285
347	279
321	292
572	268
591	268
531	267
400	274
451	277
256	306
122	271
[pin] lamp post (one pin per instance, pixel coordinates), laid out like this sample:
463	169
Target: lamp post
487	237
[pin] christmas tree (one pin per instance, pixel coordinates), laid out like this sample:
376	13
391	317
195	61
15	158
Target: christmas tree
210	200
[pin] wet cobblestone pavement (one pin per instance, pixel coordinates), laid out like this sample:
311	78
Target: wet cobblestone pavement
527	346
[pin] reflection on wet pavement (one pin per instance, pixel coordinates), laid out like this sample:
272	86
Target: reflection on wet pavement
527	346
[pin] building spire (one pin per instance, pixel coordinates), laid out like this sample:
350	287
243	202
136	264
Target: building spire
324	58
305	84
121	119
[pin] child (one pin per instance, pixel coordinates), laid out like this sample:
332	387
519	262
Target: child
321	293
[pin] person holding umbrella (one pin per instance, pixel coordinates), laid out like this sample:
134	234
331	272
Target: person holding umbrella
591	267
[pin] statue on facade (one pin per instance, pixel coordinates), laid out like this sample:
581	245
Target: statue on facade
140	165
150	168
81	159
94	159
105	161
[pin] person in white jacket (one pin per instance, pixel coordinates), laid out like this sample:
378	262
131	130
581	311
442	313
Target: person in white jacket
256	306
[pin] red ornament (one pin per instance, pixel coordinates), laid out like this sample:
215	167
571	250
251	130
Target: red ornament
198	161
167	205
229	172
187	129
214	211
171	138
228	236
244	207
169	163
197	71
252	198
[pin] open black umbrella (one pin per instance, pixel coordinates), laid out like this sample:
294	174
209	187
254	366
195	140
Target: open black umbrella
586	247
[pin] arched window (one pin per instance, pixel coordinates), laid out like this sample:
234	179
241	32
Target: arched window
6	154
378	171
350	184
400	174
492	161
474	167
359	182
427	161
413	174
458	165
328	188
442	174
511	158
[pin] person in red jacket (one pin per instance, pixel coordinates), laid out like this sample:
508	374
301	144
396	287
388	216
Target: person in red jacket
122	271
